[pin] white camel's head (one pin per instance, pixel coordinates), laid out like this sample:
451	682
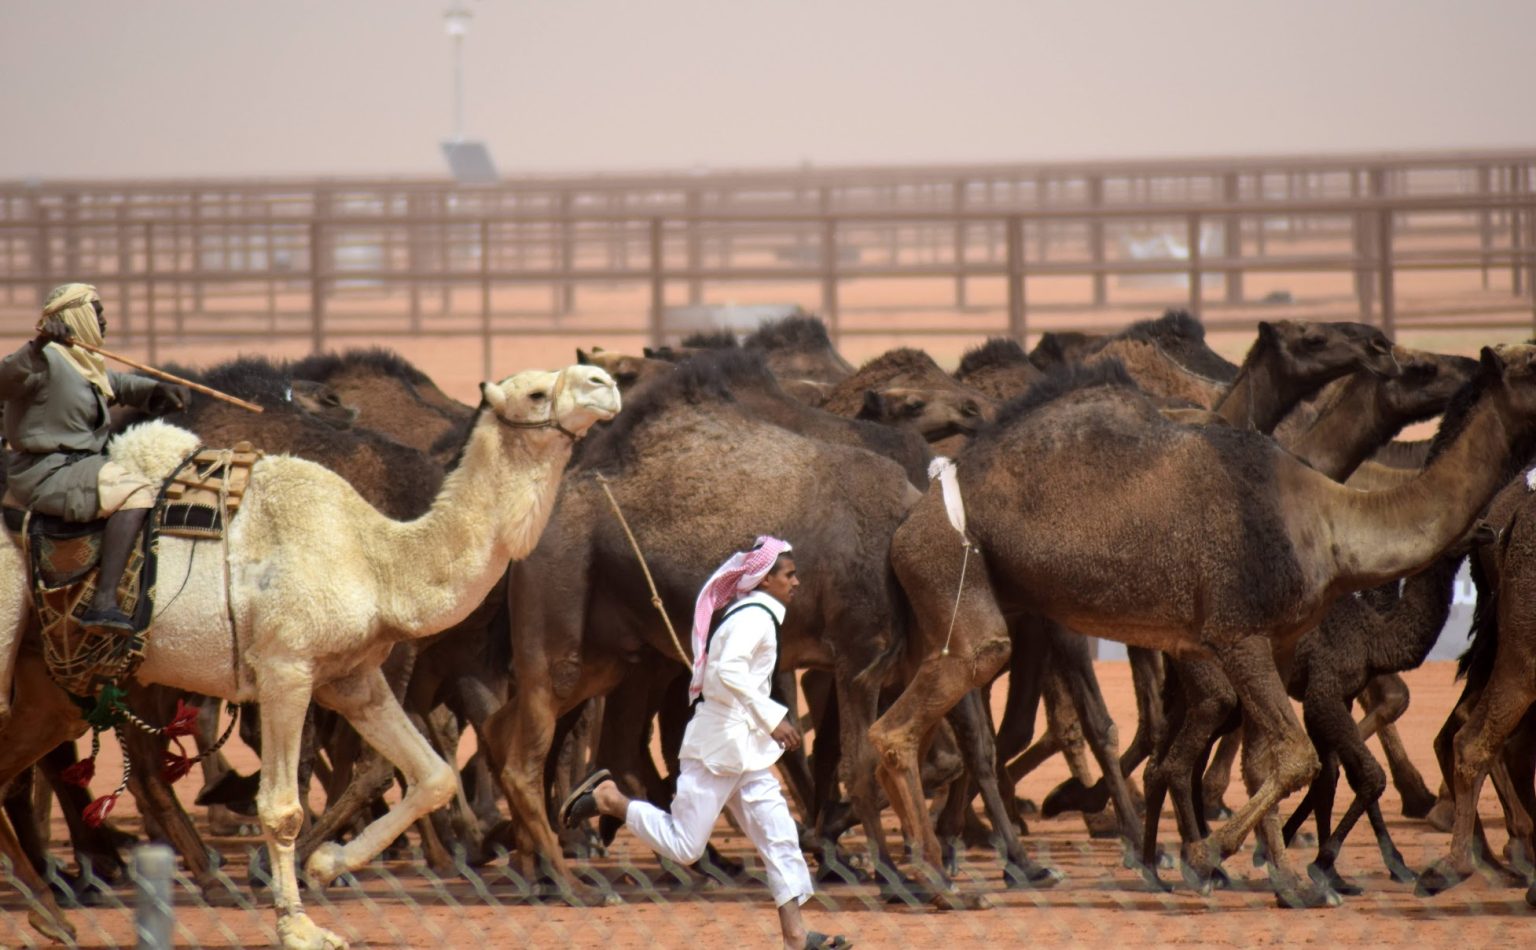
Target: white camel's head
571	400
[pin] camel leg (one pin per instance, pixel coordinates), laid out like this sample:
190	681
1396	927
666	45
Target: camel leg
284	690
368	703
1498	711
1218	775
969	720
1284	753
1075	666
1386	699
1203	700
518	739
855	705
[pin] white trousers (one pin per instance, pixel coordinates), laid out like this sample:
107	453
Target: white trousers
757	803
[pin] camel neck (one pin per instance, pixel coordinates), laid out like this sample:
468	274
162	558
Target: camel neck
1254	400
1386	534
490	509
1348	430
1414	623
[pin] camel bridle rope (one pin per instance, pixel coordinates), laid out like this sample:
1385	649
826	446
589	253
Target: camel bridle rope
553	421
645	569
959	589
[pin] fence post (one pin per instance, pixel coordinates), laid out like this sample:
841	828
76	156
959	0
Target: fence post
150	333
1096	241
1017	325
1484	218
316	288
695	249
658	285
960	238
124	268
829	277
1234	235
1194	265
1515	236
153	916
485	298
1384	271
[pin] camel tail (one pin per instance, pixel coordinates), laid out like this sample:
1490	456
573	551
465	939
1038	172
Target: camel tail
1476	664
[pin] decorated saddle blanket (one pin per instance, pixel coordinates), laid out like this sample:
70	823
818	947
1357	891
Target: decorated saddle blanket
197	501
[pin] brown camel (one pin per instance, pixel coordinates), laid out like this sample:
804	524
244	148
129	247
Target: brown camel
1496	708
999	369
1234	500
906	387
798	348
628	371
697	473
393	398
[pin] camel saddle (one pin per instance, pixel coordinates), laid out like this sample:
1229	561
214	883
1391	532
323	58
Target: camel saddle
62	557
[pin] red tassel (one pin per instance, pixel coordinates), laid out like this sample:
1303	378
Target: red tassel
80	773
96	812
175	766
184	723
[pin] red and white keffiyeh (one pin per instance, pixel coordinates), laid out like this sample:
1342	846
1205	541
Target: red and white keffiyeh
740	573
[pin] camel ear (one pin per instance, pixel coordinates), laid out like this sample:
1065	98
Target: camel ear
649	353
1267	332
582	359
874	405
1492	361
494	397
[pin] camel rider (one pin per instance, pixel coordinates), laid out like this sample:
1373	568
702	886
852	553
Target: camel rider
56	427
735	736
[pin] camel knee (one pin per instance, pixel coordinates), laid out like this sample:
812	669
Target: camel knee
437	786
1297	766
281	817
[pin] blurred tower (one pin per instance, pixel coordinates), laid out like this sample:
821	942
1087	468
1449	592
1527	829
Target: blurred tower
469	161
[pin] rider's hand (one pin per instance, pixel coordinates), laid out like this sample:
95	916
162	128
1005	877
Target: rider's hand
170	397
786	735
53	330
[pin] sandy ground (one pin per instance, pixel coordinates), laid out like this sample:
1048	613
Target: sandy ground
397	903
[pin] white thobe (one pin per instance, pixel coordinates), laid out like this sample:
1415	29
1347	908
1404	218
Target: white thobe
727	756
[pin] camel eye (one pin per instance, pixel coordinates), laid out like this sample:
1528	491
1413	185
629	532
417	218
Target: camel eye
538	396
1315	342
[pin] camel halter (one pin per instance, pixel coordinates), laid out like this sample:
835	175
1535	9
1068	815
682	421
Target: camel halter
943	469
645	569
552	422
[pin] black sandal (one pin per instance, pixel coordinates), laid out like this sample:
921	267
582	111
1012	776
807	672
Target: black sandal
820	941
581	804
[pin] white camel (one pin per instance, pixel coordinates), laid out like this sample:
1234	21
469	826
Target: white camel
320	585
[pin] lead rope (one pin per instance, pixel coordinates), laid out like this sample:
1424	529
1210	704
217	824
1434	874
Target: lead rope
942	470
645	569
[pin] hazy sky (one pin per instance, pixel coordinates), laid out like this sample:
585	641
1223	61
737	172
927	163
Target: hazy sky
116	88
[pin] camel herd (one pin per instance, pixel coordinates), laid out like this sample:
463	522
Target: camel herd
406	567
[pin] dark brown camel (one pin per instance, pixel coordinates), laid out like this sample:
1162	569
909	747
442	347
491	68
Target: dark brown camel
1242	501
798	348
697	474
1349	420
1330	667
392	397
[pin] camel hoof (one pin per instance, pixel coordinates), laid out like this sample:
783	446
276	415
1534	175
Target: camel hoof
1398	869
1437	878
1530	895
53	927
1218	811
1415	806
1032	875
327	863
298	932
1027	808
1329	877
1442	817
1300	896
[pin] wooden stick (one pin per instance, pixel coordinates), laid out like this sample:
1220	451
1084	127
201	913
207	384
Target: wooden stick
168	377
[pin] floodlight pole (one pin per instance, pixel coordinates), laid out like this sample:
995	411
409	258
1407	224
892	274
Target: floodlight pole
457	24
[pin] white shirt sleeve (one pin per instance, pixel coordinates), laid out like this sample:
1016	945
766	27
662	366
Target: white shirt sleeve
741	637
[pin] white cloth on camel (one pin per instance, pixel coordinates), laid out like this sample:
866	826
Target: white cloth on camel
757	803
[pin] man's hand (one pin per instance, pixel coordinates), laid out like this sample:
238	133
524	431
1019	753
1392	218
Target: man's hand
53	330
786	735
169	397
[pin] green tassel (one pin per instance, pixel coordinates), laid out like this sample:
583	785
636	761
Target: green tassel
109	707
